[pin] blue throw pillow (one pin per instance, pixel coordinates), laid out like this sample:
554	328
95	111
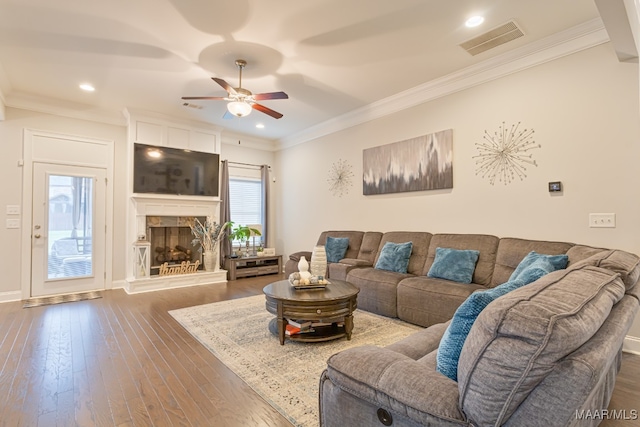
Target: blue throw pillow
464	317
336	248
395	257
454	264
558	261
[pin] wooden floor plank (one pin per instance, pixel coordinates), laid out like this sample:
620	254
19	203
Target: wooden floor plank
122	360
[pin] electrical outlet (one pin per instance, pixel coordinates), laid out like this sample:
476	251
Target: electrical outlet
13	223
13	210
602	220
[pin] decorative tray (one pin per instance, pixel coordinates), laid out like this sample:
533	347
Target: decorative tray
308	287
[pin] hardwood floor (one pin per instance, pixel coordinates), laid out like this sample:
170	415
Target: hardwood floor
122	360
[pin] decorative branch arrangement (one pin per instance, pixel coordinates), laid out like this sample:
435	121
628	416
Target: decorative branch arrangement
340	177
503	155
207	234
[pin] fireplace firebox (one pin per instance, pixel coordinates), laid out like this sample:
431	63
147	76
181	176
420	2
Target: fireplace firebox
171	241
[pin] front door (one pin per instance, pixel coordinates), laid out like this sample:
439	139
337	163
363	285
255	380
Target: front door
67	229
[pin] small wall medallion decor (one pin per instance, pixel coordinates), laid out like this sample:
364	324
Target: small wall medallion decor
416	164
505	154
340	178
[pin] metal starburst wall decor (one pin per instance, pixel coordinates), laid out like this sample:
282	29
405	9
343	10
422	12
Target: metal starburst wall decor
505	155
340	178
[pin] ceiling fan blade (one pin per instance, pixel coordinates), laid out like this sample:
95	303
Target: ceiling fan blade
226	86
228	116
266	110
270	95
204	97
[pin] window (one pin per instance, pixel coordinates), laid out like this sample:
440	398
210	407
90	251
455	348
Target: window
245	197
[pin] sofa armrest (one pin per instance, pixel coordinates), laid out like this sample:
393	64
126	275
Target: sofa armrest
297	255
397	383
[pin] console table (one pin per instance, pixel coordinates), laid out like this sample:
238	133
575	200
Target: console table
253	266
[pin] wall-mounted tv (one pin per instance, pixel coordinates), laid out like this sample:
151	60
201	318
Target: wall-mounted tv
163	170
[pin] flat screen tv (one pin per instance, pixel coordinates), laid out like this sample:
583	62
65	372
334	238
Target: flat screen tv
163	170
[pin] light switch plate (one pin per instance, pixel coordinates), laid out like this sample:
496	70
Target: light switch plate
13	223
13	210
602	220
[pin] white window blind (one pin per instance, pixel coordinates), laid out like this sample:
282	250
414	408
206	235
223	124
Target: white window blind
245	197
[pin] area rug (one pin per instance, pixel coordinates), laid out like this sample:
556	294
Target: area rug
286	376
59	299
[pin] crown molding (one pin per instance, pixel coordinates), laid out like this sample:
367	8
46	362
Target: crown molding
58	107
572	40
194	124
232	138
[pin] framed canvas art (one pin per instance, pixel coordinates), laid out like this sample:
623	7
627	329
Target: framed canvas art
416	164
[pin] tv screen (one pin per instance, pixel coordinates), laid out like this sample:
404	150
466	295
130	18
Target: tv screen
163	170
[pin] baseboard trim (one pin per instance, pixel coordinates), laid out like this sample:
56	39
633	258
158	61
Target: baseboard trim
10	296
631	345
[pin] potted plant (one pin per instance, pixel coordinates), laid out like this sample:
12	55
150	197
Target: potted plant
242	233
208	235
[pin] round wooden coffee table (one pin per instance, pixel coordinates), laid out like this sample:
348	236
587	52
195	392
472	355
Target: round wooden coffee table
332	306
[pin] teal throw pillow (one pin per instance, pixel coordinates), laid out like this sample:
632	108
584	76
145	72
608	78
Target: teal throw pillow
395	257
558	261
336	248
456	334
454	264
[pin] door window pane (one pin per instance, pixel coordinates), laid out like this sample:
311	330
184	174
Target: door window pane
70	226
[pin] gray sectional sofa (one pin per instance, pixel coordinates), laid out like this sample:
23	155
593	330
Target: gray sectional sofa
545	354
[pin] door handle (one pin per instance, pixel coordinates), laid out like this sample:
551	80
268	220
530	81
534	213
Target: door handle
37	236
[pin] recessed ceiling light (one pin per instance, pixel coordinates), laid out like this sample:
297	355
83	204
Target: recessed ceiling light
474	21
260	126
87	87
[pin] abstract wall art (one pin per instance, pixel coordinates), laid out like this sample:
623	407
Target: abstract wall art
416	164
505	154
340	178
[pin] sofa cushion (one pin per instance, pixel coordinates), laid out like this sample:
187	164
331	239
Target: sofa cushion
378	289
355	240
558	261
511	251
456	265
370	246
425	301
464	317
534	328
394	257
486	244
420	240
336	248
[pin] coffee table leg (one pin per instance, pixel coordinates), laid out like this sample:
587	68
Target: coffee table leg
281	323
348	325
281	330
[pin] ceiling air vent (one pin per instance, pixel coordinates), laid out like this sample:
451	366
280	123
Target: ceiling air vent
500	35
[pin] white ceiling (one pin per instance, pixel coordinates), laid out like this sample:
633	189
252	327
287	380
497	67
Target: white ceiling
330	56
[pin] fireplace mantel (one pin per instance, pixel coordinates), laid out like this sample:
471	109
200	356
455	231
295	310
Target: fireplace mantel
167	205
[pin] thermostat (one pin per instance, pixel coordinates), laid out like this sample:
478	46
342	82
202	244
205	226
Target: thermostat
554	187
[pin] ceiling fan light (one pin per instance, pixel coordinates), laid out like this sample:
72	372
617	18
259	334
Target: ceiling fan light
239	108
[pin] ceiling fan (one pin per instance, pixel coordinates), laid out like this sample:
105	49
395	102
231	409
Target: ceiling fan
241	100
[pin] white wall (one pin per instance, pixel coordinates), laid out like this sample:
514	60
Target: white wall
584	110
11	135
